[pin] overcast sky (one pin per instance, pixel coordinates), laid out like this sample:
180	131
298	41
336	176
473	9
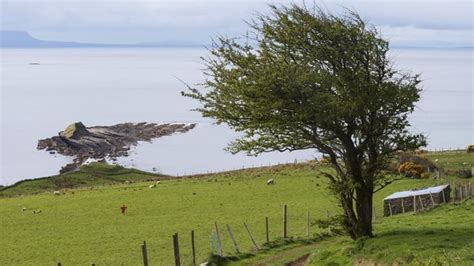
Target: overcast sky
402	22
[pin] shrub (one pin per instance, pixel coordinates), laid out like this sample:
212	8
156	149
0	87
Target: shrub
425	176
464	173
421	151
411	169
325	160
470	148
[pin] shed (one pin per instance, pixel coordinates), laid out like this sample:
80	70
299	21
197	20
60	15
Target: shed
416	200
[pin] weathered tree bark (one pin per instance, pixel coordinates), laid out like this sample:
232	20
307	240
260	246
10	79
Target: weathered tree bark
364	211
358	213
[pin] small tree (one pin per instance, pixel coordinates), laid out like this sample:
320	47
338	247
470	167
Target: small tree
306	79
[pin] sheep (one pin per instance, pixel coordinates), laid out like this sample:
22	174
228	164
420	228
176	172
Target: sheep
270	181
57	193
152	186
158	182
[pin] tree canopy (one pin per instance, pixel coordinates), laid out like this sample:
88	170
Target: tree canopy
307	79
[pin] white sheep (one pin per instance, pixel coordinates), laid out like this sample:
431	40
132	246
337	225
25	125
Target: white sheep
152	186
158	182
270	181
57	193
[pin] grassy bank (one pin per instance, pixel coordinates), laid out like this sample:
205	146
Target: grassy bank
92	175
440	236
85	226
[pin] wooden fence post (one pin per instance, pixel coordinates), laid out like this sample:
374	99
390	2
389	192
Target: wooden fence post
285	221
432	200
454	194
233	239
193	248
421	202
390	207
414	203
177	261
460	192
266	230
144	254
403	206
444	197
219	243
251	237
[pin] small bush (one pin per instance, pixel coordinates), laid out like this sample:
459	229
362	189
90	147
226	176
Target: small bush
411	169
325	160
421	151
464	173
470	149
425	176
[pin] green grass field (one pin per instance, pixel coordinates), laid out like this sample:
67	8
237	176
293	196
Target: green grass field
85	226
451	160
92	175
440	236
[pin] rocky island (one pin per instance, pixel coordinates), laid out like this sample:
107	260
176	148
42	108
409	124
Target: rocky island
100	142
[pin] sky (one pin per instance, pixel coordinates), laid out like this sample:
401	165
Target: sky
425	23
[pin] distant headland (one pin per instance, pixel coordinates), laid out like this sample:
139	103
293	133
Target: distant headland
22	39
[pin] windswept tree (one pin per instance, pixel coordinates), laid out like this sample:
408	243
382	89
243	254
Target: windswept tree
307	79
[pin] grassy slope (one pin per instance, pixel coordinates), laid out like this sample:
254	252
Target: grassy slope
86	227
92	175
452	159
441	236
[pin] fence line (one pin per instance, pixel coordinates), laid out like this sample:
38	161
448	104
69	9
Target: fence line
460	193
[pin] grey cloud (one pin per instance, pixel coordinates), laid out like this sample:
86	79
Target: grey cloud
196	21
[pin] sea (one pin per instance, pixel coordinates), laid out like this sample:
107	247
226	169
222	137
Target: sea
45	90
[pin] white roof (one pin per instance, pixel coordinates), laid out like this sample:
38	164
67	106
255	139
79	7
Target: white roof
411	193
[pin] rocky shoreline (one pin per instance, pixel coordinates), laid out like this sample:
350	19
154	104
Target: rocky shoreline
102	142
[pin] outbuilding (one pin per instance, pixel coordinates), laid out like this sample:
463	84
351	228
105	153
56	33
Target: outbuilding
416	200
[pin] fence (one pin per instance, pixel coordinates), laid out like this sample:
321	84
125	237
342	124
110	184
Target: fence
455	192
462	191
459	193
217	237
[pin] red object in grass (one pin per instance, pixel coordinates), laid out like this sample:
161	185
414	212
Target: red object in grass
122	209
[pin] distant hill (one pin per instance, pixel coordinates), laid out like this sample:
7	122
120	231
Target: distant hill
22	39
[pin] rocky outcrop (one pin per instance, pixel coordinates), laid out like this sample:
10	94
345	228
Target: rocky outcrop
105	141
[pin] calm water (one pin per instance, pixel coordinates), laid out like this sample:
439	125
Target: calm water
109	86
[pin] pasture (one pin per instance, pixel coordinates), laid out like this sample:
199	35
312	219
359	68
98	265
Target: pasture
84	225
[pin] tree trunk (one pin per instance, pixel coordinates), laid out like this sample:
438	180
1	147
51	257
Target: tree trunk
358	216
364	211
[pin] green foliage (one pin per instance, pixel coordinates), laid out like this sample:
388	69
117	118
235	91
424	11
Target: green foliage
305	79
425	176
335	224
